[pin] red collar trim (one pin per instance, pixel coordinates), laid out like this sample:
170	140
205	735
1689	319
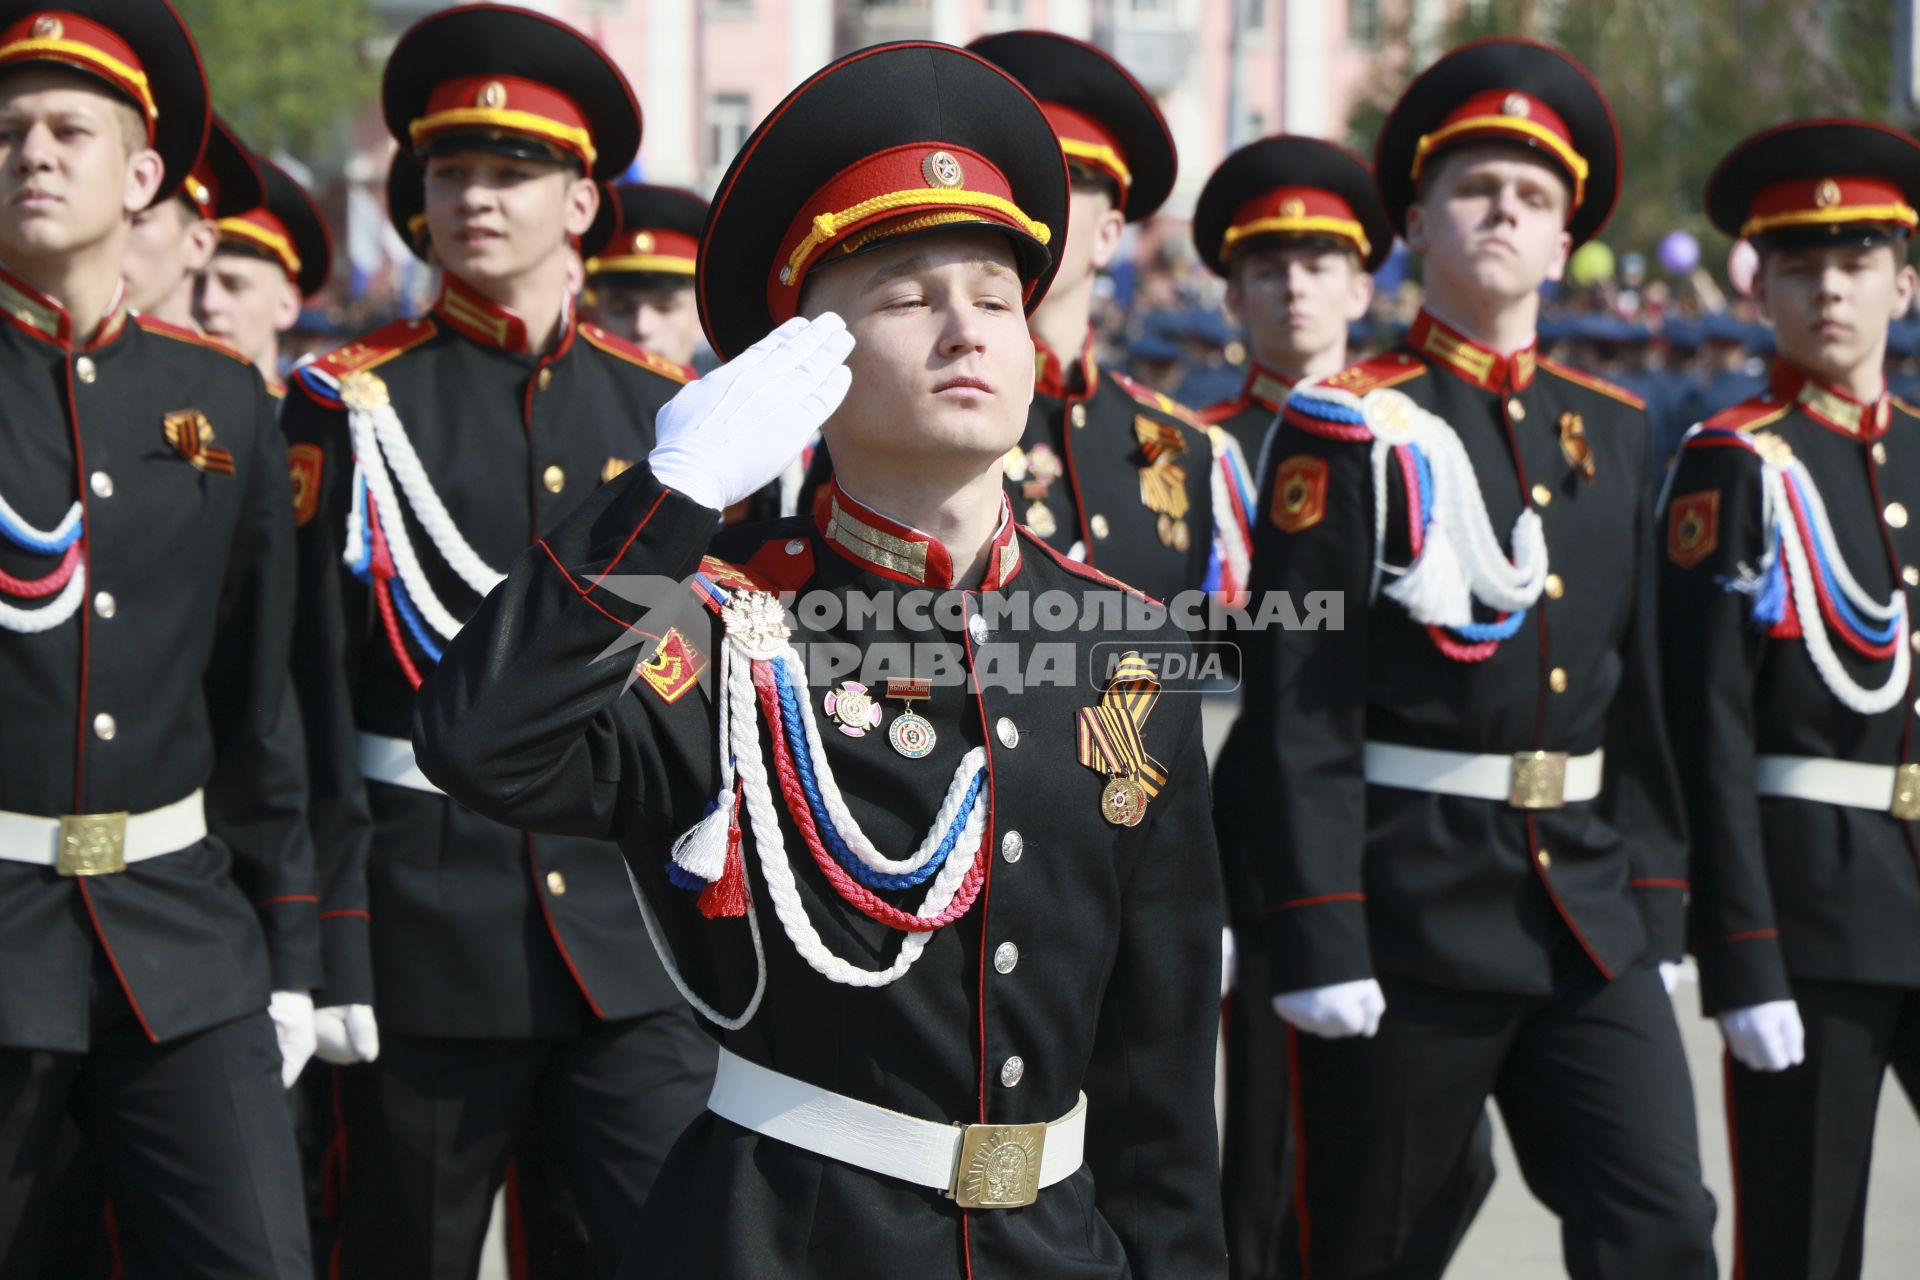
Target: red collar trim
902	552
38	314
1462	356
1266	388
1052	377
485	321
1828	405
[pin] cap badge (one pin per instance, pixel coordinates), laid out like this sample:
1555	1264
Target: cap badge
47	29
1515	104
1294	208
1827	194
643	242
942	169
198	190
493	95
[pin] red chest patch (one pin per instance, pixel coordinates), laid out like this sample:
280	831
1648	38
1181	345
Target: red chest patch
1299	493
1693	527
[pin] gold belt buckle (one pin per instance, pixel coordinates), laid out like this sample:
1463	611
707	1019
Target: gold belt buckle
1906	793
999	1166
1539	780
92	844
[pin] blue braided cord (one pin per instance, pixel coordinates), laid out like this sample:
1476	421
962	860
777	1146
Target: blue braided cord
796	739
1424	470
1325	410
1481	632
24	538
1841	605
363	567
421	636
1216	564
309	377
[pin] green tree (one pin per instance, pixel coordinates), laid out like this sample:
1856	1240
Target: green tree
287	75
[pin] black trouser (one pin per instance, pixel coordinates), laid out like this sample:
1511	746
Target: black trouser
432	1123
1592	1083
1259	1154
1802	1138
193	1136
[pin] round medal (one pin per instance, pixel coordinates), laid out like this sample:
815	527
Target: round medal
853	709
1123	802
1040	520
912	735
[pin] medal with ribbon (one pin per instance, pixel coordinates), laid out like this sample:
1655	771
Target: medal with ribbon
1110	741
1163	481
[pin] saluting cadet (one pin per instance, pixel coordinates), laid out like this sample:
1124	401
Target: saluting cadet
171	242
1458	809
1787	596
1295	228
270	259
496	975
640	287
979	1041
156	905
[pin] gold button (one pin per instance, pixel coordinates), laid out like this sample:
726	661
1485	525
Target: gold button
1557	680
554	478
1910	576
1544	858
1518	410
83	369
1542	495
1916	642
1079	415
545	379
1880	452
1556	587
556	883
1099	525
1896	515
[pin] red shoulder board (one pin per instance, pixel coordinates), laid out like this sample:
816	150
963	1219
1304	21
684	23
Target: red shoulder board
1592	383
179	334
376	348
624	350
773	567
1158	400
1388	369
1749	415
1217	413
1080	569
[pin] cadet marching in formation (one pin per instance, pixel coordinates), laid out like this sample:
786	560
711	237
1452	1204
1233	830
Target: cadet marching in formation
464	712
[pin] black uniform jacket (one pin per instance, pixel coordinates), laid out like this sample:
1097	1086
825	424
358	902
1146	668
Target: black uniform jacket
1788	887
1086	963
1249	416
1348	879
453	924
171	675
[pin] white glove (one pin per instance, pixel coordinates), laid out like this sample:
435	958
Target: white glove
723	437
1336	1012
1227	957
347	1034
1766	1037
1672	973
292	1014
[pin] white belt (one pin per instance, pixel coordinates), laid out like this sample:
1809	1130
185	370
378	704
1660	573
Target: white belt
982	1166
390	760
1525	780
93	844
1884	788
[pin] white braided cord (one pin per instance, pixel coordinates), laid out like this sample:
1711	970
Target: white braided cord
33	622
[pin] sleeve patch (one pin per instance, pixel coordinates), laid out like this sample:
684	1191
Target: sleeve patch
1299	493
674	668
1693	527
304	462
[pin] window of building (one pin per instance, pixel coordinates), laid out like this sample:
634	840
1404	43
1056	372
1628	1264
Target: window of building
1253	15
1363	21
1006	8
729	121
